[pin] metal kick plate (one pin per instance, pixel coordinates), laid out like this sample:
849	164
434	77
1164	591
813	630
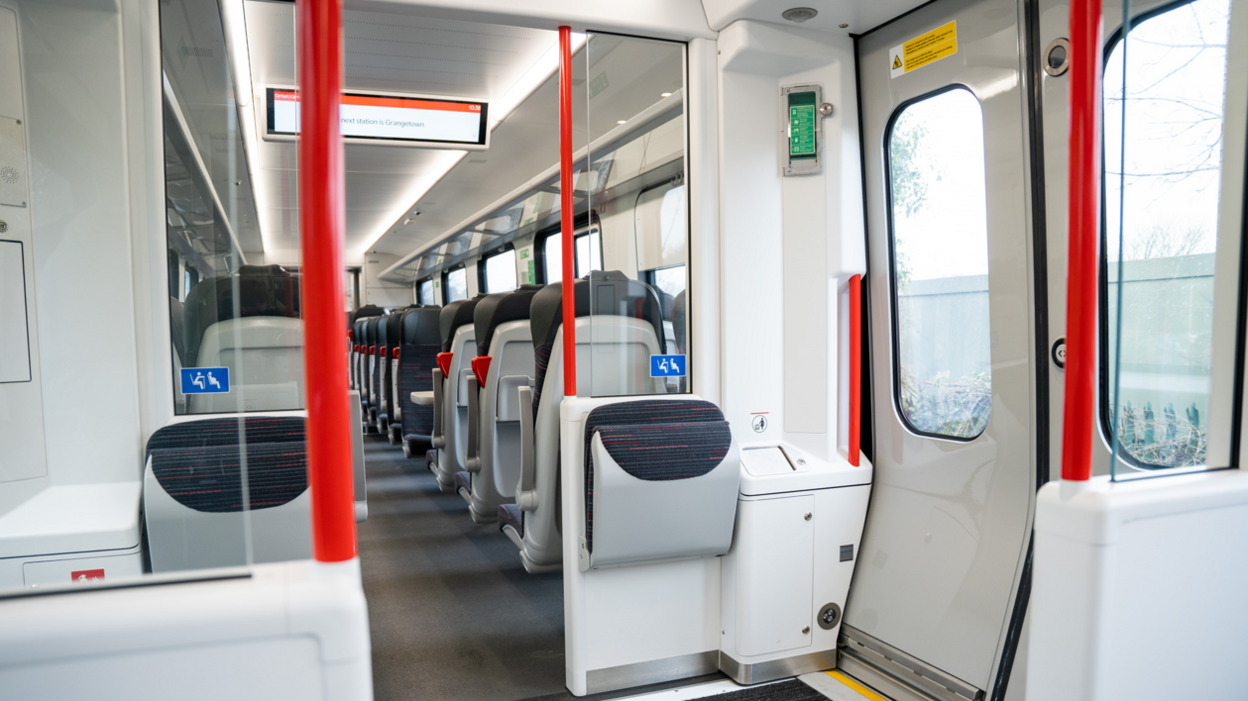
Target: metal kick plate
12	163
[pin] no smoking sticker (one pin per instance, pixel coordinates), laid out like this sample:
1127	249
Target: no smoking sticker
924	49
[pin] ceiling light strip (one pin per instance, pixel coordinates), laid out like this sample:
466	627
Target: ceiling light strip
659	112
500	109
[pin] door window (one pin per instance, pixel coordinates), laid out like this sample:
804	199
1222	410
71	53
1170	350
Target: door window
943	372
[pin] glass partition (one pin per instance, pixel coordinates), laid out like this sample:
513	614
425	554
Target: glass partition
1165	85
638	241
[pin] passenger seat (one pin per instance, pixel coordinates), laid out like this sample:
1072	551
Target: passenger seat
625	330
450	437
503	365
247	322
417	356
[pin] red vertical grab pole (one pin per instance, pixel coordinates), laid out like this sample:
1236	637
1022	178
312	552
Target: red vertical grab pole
565	210
1084	229
321	229
855	368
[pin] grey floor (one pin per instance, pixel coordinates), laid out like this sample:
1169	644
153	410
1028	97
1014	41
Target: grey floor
453	613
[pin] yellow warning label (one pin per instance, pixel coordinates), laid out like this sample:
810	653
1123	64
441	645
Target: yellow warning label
924	49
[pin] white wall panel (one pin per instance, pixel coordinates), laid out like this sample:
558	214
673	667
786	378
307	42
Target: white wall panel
81	228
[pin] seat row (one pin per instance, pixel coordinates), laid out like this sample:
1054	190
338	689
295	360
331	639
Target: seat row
392	355
497	387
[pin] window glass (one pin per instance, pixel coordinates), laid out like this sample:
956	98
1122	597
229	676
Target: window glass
552	258
456	285
588	252
236	319
426	293
940	265
1164	91
500	272
637	239
669	281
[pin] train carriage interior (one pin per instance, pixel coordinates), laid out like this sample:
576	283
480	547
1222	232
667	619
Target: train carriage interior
665	349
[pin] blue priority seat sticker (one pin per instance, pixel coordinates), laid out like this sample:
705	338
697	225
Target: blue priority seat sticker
667	366
205	380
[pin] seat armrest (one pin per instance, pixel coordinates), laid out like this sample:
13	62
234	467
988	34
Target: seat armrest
438	438
423	398
526	492
473	455
397	409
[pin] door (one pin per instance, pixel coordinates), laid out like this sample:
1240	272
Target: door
952	325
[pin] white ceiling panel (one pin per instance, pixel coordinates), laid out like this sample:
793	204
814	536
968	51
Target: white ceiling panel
389	52
857	16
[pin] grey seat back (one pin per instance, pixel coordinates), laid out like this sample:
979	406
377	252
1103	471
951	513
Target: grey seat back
672	461
626	328
193	495
458	334
503	335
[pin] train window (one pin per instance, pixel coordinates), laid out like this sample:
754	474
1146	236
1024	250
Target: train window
426	293
455	284
943	373
669	281
588	252
499	271
588	245
1163	104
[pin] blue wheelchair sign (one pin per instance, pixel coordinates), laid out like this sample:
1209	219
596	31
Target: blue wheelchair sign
205	380
667	366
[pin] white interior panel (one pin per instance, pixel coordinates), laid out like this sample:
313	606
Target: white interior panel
14	332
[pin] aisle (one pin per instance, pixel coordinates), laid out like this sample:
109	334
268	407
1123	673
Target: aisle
453	614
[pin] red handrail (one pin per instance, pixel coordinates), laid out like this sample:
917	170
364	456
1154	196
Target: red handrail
1084	225
565	211
855	368
321	229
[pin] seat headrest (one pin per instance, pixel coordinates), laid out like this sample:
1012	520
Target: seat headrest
453	316
261	291
611	293
420	327
366	311
370	330
498	309
394	328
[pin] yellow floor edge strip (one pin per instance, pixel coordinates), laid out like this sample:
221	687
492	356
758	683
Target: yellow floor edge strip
866	693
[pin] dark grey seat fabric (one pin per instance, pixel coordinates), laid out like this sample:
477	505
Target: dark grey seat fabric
455	315
418	353
655	440
368	310
463	480
499	308
511	515
199	463
608	293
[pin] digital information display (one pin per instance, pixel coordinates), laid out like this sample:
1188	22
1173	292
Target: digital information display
417	120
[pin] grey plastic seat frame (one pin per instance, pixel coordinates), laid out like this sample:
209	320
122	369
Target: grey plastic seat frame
494	428
541	544
452	456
